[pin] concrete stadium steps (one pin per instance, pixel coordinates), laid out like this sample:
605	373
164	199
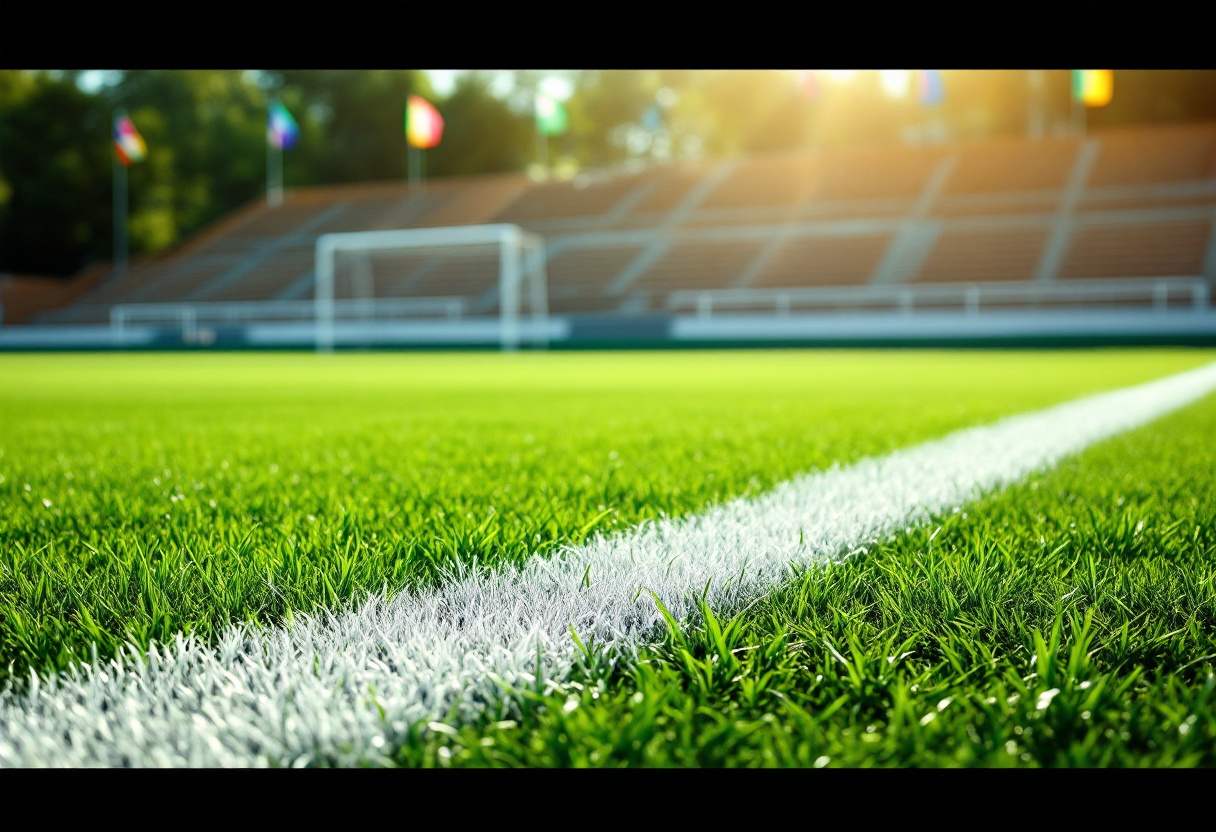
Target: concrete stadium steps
210	238
473	202
185	274
976	256
1150	155
214	239
665	190
1148	250
407	211
271	278
577	198
987	204
273	223
823	261
357	215
305	215
1012	166
1135	202
274	265
1198	193
30	298
697	264
155	279
577	277
751	215
112	290
183	277
885	208
780	180
897	174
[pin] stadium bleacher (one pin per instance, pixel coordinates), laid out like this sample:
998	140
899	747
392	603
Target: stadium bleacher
970	255
1128	203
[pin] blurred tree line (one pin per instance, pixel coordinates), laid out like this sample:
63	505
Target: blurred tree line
206	130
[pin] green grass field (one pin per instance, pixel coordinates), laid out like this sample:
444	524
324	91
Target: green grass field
1068	620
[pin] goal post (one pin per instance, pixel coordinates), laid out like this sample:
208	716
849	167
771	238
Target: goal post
521	260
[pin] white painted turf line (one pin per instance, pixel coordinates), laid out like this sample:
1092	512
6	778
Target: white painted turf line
343	688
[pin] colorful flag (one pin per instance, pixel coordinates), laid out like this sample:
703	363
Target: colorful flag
1094	87
423	124
551	118
282	131
929	87
127	141
808	84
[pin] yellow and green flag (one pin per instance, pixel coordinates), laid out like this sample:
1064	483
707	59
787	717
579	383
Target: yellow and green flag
1093	87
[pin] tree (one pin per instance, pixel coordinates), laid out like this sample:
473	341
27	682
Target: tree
54	163
206	134
482	134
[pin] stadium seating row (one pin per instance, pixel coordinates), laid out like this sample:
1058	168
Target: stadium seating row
1128	203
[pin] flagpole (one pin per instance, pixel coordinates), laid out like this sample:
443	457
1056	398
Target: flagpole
543	151
542	140
420	136
274	176
409	148
120	211
1078	106
1036	121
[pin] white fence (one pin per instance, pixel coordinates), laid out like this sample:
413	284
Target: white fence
1177	296
1158	294
197	322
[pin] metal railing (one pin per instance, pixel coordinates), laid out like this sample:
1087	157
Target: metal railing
197	321
1159	294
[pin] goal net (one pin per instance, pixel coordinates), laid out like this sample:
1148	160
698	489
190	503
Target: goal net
463	275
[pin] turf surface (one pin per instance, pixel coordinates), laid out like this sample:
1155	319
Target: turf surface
146	495
1067	621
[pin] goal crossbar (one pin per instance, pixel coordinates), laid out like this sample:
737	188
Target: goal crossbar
521	258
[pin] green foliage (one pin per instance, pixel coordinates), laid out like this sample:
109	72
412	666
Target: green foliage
206	136
481	133
1069	621
55	166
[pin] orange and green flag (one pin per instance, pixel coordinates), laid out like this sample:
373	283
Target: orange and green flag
127	142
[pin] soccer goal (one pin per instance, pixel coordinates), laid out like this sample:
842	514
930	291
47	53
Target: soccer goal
462	273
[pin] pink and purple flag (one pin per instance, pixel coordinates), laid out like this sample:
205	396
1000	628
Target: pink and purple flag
929	87
282	131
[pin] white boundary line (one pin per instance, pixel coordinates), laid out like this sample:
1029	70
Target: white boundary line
344	687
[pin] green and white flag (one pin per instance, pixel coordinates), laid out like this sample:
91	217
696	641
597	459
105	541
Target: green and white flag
551	117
